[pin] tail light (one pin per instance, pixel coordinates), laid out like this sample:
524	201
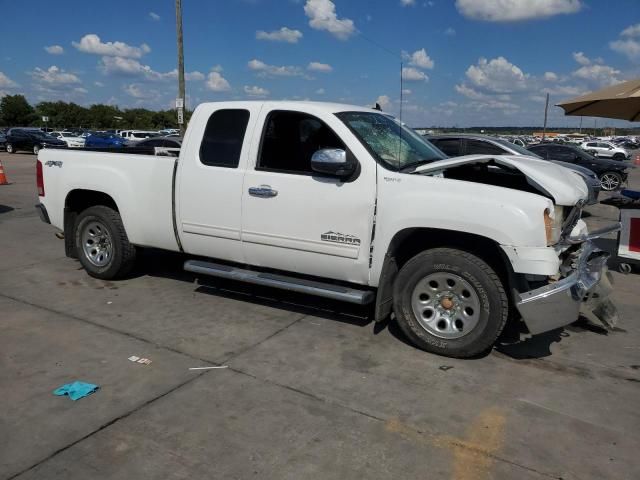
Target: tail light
39	179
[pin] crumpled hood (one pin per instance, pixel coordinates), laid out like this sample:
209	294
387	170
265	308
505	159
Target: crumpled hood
566	187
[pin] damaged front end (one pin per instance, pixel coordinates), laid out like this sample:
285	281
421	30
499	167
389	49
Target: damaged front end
583	287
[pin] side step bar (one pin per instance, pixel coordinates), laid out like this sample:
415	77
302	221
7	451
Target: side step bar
319	289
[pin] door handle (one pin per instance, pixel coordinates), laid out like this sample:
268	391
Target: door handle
264	191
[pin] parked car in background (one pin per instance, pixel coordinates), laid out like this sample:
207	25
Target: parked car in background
70	138
605	150
612	174
169	131
158	146
466	144
32	140
105	140
137	135
3	141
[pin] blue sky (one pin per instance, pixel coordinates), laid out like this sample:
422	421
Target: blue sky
466	62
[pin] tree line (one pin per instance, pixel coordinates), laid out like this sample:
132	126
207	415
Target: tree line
15	111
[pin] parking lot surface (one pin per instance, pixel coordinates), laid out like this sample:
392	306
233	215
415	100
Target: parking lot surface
313	389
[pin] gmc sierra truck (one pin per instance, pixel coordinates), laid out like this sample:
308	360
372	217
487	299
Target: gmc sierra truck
346	203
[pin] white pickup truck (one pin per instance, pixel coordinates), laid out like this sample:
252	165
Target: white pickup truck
343	202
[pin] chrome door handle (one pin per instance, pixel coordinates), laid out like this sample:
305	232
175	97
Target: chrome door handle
264	191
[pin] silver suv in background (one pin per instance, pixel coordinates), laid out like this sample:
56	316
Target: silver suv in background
605	150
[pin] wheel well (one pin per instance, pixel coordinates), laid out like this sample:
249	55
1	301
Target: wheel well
407	243
76	202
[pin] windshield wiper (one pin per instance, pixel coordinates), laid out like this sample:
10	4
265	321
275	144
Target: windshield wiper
411	167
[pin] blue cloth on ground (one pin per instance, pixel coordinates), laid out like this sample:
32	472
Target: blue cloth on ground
76	390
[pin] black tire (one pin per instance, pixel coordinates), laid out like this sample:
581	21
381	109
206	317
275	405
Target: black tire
123	254
489	291
610	181
619	157
10	148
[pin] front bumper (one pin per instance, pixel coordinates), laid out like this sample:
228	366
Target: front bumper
585	290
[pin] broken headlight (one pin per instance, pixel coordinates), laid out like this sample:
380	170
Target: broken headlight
553	224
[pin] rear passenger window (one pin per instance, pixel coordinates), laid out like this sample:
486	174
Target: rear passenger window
223	137
450	146
478	147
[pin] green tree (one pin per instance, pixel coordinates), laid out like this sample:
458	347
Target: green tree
16	111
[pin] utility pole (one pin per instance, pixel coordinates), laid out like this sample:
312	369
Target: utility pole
580	123
180	101
546	109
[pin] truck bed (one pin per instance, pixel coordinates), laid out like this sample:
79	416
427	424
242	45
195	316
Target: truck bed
140	186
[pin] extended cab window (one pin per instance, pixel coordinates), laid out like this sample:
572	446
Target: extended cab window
291	138
223	137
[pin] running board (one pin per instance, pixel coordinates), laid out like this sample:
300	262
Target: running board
319	289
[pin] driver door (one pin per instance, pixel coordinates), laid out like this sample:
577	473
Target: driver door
297	220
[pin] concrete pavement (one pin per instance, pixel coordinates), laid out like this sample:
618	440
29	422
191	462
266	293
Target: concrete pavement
313	389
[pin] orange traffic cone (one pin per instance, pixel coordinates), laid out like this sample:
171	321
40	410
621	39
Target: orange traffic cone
3	177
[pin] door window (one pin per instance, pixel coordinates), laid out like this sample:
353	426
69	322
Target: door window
223	136
291	138
478	147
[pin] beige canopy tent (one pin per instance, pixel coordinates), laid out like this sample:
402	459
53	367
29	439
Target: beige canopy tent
620	101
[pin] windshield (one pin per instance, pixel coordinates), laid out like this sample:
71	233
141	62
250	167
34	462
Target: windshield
39	134
390	143
517	148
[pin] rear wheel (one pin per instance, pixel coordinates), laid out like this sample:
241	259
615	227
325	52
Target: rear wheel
610	181
10	149
102	244
450	302
619	156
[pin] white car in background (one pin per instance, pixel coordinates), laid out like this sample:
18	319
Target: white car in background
137	135
70	139
605	150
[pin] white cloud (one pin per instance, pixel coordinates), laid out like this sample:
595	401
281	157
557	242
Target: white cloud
599	74
407	3
98	84
92	44
469	92
497	75
320	91
410	74
54	49
133	68
256	91
450	32
217	83
629	44
266	70
140	92
406	91
631	31
283	35
419	59
581	58
384	101
54	77
322	16
154	16
6	82
550	76
515	10
320	67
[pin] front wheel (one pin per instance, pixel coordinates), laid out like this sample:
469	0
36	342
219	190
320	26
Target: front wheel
450	302
9	148
610	181
619	157
102	244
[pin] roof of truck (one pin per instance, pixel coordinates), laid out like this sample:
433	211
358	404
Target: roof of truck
298	104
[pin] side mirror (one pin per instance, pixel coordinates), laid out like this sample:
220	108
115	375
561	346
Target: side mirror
332	161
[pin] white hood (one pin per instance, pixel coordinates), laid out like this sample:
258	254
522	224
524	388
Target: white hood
565	186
